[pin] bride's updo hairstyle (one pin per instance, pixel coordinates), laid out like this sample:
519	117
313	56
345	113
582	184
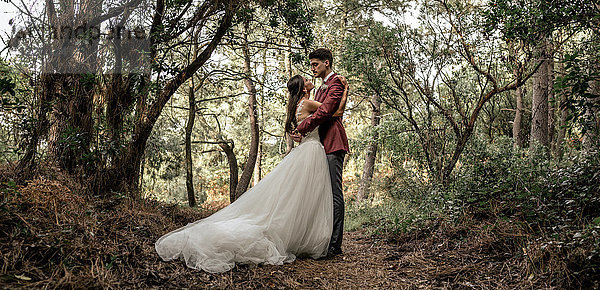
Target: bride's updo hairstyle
296	88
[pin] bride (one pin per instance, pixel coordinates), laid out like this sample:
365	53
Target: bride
287	214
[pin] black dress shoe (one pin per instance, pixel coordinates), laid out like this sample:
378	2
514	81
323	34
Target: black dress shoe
333	251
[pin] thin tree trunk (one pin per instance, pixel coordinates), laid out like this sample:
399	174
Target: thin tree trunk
458	149
258	168
233	168
369	167
551	100
189	128
189	165
346	158
518	120
490	113
562	129
517	123
591	138
244	180
539	106
564	113
517	128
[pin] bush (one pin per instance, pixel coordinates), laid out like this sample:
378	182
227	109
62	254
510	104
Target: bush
533	213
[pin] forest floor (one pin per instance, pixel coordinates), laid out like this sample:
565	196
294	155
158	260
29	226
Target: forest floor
53	235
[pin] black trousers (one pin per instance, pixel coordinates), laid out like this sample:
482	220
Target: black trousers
336	164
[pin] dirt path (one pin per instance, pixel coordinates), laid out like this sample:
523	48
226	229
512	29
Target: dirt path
366	263
423	260
363	265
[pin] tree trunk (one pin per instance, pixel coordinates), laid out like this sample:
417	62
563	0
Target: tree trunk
189	165
233	168
368	169
591	138
458	149
75	68
27	163
551	101
258	168
346	158
564	113
118	99
490	126
244	181
71	91
518	121
539	106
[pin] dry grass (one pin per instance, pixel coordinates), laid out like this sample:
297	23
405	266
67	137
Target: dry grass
54	234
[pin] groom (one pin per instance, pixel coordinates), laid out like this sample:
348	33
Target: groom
332	133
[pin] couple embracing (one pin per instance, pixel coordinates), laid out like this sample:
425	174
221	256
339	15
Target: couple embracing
295	210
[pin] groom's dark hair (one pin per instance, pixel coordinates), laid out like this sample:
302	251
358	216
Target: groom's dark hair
322	54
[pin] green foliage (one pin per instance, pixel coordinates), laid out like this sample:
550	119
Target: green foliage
73	144
498	170
388	216
299	19
88	81
576	85
293	13
177	4
7	86
511	182
298	58
555	199
245	14
16	120
165	150
528	19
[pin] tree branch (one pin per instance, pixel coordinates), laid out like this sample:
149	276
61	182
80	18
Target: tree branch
115	11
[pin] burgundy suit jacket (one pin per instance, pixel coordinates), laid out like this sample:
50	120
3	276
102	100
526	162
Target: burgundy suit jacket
331	130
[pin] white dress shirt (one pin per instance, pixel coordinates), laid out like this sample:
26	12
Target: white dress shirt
327	77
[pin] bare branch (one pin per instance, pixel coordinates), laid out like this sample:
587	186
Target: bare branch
115	11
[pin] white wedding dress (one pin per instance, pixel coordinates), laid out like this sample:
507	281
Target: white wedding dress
287	214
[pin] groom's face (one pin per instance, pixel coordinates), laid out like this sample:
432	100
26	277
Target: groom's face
319	67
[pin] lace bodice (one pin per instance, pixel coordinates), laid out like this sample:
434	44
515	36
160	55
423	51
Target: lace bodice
314	134
299	110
